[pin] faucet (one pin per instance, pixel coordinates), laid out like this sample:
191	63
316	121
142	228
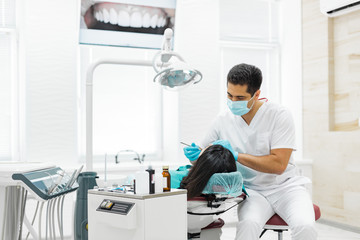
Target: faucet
138	158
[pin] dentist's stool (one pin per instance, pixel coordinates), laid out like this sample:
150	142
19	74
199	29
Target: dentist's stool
277	224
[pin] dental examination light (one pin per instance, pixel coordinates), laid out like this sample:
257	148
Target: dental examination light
172	74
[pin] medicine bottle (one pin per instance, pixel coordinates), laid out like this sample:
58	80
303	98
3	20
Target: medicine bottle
166	179
151	180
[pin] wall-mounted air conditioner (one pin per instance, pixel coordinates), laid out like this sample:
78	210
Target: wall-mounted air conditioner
333	8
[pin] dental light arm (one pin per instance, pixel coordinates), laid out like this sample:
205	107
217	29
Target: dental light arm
89	100
169	75
166	47
177	74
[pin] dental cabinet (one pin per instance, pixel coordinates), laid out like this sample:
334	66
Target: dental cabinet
129	216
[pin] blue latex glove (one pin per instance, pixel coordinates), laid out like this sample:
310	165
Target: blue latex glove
226	144
192	152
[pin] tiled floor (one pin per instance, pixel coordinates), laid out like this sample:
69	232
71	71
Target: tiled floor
325	232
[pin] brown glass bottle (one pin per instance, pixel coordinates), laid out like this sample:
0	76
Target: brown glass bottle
166	179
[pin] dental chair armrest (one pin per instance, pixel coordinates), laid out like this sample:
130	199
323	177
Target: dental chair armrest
204	197
203	206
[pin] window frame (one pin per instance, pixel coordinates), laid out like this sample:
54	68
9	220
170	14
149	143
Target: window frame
15	101
275	76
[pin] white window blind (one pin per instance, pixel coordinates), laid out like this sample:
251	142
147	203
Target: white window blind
266	59
249	20
258	32
7	78
7	13
249	33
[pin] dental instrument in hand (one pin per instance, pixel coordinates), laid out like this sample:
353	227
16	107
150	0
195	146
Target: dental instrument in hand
189	145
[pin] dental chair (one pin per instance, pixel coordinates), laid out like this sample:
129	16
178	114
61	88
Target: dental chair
277	224
222	192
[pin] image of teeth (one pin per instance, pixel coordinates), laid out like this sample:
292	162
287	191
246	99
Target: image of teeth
124	18
106	15
136	18
130	16
153	21
146	19
101	17
113	16
160	21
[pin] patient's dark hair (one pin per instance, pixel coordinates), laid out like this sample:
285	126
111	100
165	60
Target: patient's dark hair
215	159
246	74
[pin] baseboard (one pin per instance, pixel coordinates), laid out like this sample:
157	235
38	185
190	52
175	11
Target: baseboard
339	225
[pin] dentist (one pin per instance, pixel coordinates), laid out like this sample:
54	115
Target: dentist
262	139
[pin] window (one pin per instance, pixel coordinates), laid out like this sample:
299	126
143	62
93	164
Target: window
249	34
126	105
8	82
257	32
266	58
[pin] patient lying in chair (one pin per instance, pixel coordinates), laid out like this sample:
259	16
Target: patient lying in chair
214	185
213	159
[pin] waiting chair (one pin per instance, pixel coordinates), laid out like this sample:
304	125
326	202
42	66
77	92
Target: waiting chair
277	224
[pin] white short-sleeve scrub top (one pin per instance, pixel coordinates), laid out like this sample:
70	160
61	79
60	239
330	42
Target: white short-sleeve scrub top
271	128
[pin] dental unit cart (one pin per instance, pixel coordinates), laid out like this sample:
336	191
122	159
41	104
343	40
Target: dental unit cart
20	181
130	216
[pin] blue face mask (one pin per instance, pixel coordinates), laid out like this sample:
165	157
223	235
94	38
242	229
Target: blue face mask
239	107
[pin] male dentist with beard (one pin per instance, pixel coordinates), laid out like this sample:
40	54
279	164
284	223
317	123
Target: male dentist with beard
262	139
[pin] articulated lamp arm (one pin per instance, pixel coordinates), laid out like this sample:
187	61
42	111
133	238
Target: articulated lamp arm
169	75
89	100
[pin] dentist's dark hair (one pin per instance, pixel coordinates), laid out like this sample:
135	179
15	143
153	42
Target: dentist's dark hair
245	74
215	159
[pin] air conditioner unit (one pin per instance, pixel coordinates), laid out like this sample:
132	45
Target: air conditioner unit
333	8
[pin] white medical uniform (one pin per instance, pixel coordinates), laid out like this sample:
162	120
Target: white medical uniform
271	128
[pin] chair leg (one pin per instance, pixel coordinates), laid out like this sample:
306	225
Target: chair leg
262	233
280	233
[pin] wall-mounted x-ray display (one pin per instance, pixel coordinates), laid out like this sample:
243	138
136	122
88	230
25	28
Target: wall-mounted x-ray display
130	23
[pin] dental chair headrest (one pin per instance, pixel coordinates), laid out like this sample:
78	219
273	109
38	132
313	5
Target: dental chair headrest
225	184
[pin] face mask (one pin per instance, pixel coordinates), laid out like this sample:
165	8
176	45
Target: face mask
239	107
